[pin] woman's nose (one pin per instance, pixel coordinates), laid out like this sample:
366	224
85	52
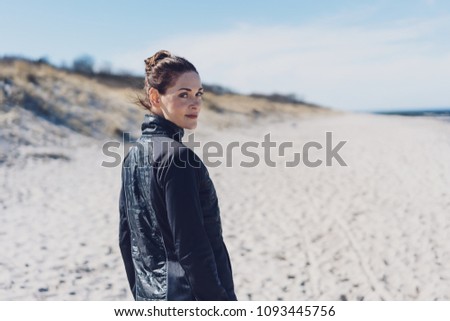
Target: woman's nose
196	102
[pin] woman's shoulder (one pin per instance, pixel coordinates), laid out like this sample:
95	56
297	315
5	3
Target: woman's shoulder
181	162
183	156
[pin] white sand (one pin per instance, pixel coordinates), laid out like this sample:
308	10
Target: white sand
376	229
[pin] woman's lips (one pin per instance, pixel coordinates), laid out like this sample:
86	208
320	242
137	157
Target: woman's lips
192	116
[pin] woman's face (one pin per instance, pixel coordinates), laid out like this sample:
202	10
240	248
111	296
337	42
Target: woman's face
182	102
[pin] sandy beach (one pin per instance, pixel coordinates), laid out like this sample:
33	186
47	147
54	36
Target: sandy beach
376	229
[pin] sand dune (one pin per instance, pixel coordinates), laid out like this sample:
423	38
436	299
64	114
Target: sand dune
376	229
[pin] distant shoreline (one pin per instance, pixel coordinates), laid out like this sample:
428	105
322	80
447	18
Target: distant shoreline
424	112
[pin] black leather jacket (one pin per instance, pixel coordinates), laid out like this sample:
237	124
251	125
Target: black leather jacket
170	232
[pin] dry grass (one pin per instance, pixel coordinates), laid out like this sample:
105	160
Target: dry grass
94	107
67	99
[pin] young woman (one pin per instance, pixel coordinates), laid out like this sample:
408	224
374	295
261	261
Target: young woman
170	229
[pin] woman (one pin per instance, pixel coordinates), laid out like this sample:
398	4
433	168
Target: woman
170	230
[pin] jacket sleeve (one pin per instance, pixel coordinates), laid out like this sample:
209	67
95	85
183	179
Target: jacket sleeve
185	217
213	227
224	270
125	242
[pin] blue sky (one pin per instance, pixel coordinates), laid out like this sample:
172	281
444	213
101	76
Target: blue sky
352	55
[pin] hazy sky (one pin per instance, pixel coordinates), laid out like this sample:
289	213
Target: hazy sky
353	55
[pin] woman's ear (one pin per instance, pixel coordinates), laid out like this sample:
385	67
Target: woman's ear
154	97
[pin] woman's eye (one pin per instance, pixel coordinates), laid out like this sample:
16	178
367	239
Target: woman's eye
199	94
183	95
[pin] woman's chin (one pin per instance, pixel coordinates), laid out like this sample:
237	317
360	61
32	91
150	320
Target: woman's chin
191	124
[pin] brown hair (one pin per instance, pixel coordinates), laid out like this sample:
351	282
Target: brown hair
161	72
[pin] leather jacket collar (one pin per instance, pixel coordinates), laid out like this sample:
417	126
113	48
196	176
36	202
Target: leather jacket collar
156	125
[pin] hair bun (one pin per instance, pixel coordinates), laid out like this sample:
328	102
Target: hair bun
157	57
